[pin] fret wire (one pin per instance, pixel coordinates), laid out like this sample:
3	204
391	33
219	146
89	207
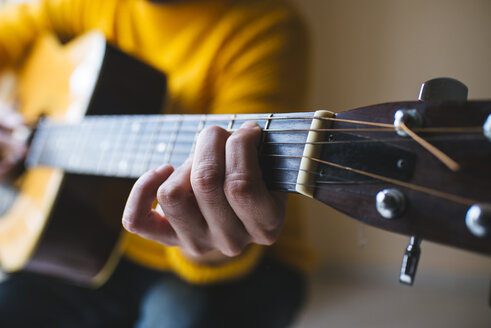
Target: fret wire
231	123
104	144
146	160
170	145
268	122
87	155
198	130
263	135
73	159
38	144
160	145
111	146
129	150
101	131
142	148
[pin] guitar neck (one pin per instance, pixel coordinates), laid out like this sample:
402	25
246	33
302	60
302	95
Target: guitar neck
128	146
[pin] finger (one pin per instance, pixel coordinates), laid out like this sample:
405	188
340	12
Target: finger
177	200
10	118
207	179
5	169
139	215
260	211
11	149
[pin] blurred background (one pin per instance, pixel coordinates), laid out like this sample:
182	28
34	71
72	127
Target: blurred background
368	52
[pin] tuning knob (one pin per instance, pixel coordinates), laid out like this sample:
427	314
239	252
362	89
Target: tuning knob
410	117
443	88
486	128
390	203
410	261
478	220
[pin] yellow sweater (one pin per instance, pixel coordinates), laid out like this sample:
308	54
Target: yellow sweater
220	56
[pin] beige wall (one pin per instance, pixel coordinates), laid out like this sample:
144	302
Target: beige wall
368	52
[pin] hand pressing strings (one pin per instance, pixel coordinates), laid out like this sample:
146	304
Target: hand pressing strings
12	150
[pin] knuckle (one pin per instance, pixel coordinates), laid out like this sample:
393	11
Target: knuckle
239	187
195	249
173	195
207	178
232	249
266	236
130	224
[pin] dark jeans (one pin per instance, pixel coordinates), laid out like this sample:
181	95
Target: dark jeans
137	297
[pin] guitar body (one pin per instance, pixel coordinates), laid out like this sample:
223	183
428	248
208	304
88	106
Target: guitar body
68	225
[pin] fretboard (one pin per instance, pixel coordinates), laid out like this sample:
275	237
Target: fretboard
128	146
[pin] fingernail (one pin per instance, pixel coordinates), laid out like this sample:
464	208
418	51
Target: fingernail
250	125
163	168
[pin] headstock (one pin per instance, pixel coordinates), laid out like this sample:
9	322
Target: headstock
385	178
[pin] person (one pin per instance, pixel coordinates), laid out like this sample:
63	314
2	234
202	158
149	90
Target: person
217	250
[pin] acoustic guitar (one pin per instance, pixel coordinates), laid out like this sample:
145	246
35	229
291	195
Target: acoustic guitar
420	168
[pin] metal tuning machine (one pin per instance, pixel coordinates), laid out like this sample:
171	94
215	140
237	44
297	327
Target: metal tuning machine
435	89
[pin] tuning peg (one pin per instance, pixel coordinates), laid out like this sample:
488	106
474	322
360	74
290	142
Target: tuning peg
410	261
443	88
478	220
410	117
486	128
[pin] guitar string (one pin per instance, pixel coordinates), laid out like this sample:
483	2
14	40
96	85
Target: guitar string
210	118
449	162
386	127
191	132
455	198
412	186
427	190
177	152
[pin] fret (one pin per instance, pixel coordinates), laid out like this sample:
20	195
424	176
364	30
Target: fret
127	146
37	145
200	128
263	135
281	172
104	128
146	144
164	132
119	162
172	140
97	128
108	145
130	146
74	139
268	122
83	153
231	123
